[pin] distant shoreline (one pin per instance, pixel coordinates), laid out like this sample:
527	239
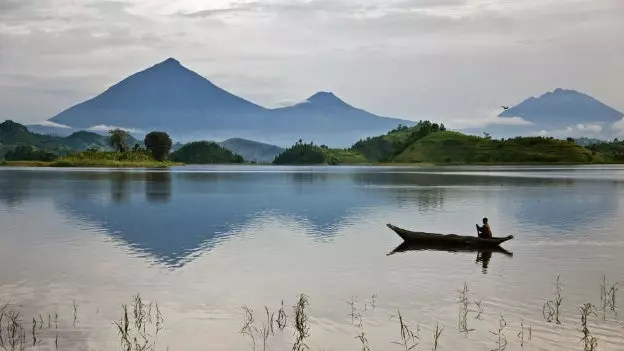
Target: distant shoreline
156	164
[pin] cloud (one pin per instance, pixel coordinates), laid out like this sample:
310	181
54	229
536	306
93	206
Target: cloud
487	119
52	124
618	127
590	128
415	59
593	130
107	128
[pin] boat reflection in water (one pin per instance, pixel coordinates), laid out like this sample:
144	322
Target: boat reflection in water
484	255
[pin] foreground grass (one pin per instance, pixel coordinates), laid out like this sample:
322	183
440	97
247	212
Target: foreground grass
141	323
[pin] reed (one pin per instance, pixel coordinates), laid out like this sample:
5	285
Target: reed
302	326
590	343
501	339
437	333
409	338
552	308
607	297
135	325
463	310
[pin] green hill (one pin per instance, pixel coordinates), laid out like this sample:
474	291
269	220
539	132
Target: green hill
454	147
13	135
310	154
611	151
385	148
205	152
428	142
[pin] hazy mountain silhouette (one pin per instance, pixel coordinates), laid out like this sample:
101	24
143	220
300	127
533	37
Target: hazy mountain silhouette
562	108
172	98
252	150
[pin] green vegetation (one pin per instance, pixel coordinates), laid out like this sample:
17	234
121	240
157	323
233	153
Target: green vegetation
118	140
159	144
205	152
95	158
28	153
13	135
309	154
385	148
454	147
431	143
611	151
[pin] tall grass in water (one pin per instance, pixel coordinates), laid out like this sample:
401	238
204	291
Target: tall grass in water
521	334
607	297
409	338
302	326
464	310
590	343
437	333
552	308
139	326
12	333
501	339
267	329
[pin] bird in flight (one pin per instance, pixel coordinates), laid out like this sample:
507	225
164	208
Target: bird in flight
505	107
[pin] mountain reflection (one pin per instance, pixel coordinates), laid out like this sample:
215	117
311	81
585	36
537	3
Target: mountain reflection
172	215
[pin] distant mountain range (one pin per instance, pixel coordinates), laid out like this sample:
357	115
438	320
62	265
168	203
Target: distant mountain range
562	108
172	98
559	113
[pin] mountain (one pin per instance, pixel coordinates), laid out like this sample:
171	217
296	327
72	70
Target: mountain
13	134
171	98
562	108
252	150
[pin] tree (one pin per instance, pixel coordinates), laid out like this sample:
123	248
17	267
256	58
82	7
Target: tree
118	140
159	144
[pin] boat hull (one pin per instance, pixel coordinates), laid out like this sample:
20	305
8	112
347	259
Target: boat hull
447	240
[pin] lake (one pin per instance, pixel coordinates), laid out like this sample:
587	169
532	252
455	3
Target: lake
202	242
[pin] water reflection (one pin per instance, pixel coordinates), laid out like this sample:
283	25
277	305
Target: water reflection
158	187
172	216
484	255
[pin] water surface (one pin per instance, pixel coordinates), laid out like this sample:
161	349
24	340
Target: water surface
204	241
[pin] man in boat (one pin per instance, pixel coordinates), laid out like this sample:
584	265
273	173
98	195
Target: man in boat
484	231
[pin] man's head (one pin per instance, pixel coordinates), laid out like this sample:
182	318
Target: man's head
485	220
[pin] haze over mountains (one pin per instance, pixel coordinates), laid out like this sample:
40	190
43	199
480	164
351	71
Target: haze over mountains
172	98
561	113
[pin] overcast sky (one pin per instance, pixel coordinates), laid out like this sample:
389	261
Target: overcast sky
455	61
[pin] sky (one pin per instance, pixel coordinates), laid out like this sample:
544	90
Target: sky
454	61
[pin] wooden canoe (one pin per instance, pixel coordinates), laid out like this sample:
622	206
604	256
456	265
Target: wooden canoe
449	240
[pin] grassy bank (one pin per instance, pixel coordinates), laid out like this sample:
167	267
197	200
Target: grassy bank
139	159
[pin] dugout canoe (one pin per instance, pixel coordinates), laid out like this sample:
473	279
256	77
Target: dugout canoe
448	240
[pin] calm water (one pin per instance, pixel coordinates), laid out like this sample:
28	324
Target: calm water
204	241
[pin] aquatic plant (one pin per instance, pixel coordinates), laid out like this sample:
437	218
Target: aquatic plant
133	325
409	338
463	310
437	333
552	308
590	342
607	297
501	339
302	326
